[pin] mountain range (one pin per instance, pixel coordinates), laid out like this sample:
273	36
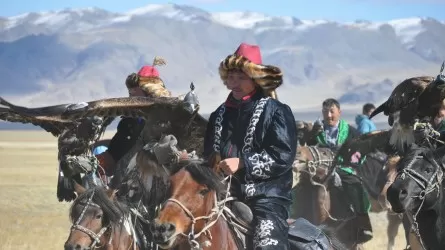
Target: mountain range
76	55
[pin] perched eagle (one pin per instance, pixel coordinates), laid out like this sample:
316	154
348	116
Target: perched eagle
414	100
75	138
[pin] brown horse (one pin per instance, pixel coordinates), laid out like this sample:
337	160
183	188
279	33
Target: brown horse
196	214
100	221
313	164
139	189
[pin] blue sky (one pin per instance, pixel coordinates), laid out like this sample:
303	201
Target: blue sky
339	10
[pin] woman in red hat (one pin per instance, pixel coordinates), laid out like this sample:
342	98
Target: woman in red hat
146	82
252	136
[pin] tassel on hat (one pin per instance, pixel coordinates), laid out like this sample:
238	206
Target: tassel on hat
148	79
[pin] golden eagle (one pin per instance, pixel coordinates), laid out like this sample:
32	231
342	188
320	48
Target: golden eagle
75	138
163	115
414	99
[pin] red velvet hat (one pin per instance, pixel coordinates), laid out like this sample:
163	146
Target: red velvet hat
251	52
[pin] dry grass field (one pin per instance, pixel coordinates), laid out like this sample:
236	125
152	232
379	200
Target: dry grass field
31	217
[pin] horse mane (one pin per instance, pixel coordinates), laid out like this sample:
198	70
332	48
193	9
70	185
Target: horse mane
113	210
410	154
203	174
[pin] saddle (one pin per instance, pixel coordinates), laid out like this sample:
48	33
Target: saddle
303	235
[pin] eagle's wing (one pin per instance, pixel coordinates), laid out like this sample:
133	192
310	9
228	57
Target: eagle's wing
53	126
44	112
158	108
406	92
368	143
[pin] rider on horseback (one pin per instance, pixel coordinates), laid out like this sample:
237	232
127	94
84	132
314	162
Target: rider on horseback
252	136
332	133
145	83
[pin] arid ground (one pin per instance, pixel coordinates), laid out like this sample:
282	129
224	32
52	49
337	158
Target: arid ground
31	216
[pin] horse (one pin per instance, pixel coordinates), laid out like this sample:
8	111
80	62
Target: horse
140	188
197	215
100	221
417	191
324	203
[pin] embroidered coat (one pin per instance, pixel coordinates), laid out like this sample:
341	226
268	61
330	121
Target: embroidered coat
261	132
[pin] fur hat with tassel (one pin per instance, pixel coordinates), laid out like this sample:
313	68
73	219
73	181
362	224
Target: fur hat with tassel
148	80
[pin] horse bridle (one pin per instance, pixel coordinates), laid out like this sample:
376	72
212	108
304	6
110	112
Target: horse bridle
317	161
427	185
76	226
217	210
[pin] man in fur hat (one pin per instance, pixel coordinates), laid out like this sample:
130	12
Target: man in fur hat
252	136
146	82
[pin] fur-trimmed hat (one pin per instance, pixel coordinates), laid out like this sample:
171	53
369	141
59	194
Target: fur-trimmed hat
148	80
248	59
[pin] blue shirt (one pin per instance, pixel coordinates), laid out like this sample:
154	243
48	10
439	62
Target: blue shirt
364	124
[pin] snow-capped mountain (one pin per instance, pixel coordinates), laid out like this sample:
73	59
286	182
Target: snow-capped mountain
81	54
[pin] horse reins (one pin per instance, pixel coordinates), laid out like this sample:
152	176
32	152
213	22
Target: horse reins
312	168
428	186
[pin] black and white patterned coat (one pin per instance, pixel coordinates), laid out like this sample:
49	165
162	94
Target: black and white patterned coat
261	131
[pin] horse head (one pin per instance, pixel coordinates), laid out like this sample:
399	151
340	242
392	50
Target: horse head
188	215
419	180
98	218
313	162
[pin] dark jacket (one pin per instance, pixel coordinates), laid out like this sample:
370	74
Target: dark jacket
267	148
128	131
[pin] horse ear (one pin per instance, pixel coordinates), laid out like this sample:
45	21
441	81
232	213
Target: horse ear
78	188
214	160
392	161
111	193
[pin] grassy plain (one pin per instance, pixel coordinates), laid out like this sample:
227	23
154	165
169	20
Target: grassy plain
31	217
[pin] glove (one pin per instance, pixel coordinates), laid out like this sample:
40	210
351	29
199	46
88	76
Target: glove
166	151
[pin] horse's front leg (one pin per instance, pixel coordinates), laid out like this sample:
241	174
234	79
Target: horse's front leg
394	221
323	204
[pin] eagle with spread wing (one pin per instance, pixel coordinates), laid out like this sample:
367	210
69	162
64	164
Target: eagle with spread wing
75	138
414	99
162	115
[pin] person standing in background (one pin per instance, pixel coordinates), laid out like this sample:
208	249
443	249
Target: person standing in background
364	124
